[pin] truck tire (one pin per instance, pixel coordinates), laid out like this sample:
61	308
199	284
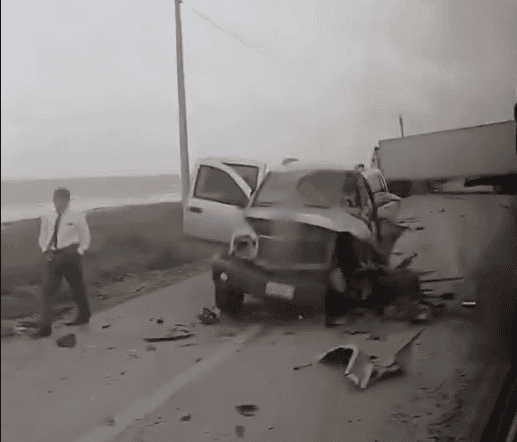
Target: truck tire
228	301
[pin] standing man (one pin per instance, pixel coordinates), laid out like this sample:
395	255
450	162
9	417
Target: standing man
64	237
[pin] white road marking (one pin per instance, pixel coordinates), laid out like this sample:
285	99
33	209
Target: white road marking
147	405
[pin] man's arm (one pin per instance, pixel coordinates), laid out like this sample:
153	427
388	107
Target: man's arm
43	233
84	234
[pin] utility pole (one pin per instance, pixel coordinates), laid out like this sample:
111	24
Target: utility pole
401	126
185	168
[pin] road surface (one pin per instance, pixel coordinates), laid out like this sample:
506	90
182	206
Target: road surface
98	391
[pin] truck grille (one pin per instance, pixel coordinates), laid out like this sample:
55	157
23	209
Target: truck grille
284	243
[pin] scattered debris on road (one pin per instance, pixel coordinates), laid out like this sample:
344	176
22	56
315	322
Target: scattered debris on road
375	337
189	344
299	367
239	431
106	326
289	333
150	348
348	331
185	417
361	368
174	334
209	316
247	409
67	341
159	321
132	353
468	304
270	427
110	421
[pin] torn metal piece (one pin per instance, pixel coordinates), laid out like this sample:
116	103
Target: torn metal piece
361	367
174	334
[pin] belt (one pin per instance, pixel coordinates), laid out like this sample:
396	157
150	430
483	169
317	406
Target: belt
67	248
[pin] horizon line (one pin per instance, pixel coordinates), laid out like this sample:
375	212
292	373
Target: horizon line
86	177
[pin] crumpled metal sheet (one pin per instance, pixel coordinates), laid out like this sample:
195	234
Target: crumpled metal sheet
362	368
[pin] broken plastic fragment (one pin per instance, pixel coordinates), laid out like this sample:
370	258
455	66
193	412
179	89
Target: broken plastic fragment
174	334
209	316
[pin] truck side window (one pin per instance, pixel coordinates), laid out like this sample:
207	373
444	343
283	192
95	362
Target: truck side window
349	191
213	184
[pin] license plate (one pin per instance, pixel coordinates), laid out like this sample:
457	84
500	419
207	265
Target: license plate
283	291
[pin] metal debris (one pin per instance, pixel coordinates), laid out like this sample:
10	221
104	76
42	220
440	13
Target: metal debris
468	304
361	368
185	417
209	316
67	341
299	367
174	334
247	409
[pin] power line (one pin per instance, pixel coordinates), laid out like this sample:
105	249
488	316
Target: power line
231	34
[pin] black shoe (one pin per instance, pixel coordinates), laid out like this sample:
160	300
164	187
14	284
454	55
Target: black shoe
43	332
79	321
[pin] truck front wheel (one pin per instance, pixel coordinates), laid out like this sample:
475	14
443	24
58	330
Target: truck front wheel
228	301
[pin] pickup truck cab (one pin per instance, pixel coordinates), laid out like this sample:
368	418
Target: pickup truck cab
223	187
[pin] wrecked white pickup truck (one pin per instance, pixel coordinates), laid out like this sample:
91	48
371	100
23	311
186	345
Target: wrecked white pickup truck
306	230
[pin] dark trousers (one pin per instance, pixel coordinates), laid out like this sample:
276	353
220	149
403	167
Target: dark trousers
68	264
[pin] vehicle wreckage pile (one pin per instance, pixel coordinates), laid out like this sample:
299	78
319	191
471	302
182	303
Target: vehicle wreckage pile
366	281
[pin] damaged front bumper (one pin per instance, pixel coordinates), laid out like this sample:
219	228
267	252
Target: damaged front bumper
303	288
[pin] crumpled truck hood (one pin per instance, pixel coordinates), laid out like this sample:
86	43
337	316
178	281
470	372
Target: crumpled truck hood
336	220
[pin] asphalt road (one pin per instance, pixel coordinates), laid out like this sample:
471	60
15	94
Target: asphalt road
98	389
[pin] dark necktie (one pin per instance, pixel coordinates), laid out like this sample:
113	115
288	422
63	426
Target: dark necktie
53	241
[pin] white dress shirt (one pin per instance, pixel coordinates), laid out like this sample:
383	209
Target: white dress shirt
73	229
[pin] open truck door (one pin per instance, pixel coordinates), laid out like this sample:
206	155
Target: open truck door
222	188
388	204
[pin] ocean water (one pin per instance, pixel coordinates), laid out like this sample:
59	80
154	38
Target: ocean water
25	199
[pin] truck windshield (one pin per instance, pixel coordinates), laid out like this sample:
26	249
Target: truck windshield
308	188
248	173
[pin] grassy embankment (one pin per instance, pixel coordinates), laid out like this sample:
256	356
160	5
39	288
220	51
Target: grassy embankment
134	250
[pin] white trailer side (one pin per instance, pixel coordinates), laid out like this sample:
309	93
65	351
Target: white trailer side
477	151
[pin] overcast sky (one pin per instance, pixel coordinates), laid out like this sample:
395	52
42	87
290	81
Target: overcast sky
89	88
